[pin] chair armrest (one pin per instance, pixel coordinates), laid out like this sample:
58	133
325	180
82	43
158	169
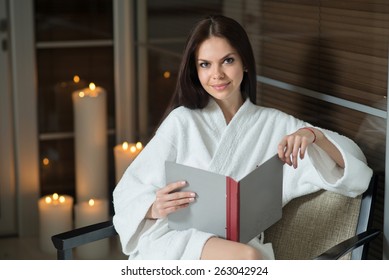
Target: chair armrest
348	245
65	242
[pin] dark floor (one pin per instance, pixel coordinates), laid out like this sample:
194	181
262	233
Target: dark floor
28	248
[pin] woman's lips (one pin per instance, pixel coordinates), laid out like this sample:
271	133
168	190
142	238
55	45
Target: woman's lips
220	86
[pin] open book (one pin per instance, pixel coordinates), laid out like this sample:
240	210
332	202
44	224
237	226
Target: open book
237	211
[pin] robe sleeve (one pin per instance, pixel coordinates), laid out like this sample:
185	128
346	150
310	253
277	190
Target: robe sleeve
135	192
352	180
319	171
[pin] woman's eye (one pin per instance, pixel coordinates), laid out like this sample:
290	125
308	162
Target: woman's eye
204	64
229	60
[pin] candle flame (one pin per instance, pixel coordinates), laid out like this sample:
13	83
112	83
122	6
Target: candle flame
133	149
81	94
76	79
125	146
91	202
54	199
45	161
166	74
139	145
92	86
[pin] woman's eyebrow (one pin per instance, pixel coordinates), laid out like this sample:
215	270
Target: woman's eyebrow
221	59
227	55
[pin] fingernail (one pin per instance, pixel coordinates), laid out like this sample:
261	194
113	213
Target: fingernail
183	183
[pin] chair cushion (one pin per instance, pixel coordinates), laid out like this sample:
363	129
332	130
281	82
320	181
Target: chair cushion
312	224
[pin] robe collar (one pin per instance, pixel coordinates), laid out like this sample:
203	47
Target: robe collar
216	113
229	135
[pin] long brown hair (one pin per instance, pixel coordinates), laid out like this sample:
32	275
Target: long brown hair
189	91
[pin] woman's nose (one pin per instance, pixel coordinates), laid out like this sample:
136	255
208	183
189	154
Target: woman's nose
218	73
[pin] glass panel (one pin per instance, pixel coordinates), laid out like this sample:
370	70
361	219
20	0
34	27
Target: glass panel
56	69
57	65
73	20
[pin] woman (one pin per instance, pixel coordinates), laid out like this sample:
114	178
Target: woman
215	125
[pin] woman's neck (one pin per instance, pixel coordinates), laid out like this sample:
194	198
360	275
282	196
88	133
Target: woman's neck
229	109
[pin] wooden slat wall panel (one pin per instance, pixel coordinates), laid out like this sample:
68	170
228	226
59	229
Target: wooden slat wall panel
326	115
340	50
359	5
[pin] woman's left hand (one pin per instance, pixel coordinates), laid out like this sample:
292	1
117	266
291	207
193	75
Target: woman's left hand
295	145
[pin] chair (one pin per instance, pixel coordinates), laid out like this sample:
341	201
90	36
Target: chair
320	226
313	223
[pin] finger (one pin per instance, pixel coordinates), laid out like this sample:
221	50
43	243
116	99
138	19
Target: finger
179	195
175	208
303	148
281	149
178	202
289	150
171	187
296	149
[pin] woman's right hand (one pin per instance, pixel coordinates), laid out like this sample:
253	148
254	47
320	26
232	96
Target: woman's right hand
169	200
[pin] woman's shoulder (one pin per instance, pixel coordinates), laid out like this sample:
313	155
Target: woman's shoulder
180	114
275	117
177	118
269	111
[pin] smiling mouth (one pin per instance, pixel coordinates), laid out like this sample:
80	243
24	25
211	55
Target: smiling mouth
221	86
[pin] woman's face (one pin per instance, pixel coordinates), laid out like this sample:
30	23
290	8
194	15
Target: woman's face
220	70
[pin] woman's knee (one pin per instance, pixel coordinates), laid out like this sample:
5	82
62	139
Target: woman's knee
250	253
216	248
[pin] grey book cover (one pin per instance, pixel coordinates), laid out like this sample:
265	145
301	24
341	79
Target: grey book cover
259	199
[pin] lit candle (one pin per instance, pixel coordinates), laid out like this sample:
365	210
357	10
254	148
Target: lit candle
90	133
87	213
55	216
124	156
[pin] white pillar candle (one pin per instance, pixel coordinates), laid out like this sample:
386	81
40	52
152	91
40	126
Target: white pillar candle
124	155
87	213
90	133
55	216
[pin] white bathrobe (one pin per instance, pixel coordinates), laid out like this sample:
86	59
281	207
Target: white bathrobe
202	139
